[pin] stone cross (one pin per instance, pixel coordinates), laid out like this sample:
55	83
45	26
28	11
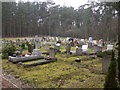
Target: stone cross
37	43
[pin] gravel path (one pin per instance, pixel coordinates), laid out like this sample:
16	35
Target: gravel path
8	81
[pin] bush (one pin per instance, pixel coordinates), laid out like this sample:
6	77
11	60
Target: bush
23	45
102	54
8	50
119	61
110	80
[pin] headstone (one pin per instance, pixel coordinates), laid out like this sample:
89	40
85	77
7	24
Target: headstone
84	48
36	52
30	48
51	52
106	63
68	47
18	42
81	43
46	46
94	42
90	39
37	43
109	47
3	44
78	51
100	43
57	47
89	45
97	48
19	51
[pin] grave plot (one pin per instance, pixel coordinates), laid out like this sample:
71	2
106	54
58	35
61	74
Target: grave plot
25	58
36	62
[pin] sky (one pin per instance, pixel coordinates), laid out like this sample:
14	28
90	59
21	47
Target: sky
73	3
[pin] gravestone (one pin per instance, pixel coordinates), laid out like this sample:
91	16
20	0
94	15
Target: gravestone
18	42
36	52
89	45
97	48
37	43
78	51
94	42
19	51
3	44
51	52
84	48
90	39
47	46
100	43
30	48
68	47
109	47
57	46
106	63
81	43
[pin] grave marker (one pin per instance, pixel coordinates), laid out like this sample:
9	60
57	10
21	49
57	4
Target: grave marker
97	48
78	51
109	47
84	48
52	52
68	47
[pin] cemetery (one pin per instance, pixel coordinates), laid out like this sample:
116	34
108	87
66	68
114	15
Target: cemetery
60	44
67	65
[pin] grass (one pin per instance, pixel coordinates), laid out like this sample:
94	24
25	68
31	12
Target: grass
69	74
64	73
36	61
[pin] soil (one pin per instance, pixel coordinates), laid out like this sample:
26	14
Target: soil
9	81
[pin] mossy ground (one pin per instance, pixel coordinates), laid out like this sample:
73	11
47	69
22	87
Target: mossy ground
64	73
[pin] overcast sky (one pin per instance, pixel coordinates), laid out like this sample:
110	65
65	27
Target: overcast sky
73	3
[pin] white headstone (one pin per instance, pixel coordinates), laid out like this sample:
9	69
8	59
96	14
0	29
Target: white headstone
100	43
36	52
84	48
109	47
58	44
90	39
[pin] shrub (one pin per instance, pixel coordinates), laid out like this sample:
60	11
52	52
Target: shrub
102	54
23	45
119	61
8	50
110	80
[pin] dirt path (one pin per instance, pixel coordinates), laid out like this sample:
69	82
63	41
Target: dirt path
7	84
8	81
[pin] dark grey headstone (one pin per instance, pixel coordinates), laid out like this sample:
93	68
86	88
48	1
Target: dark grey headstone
97	49
89	45
68	47
78	51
